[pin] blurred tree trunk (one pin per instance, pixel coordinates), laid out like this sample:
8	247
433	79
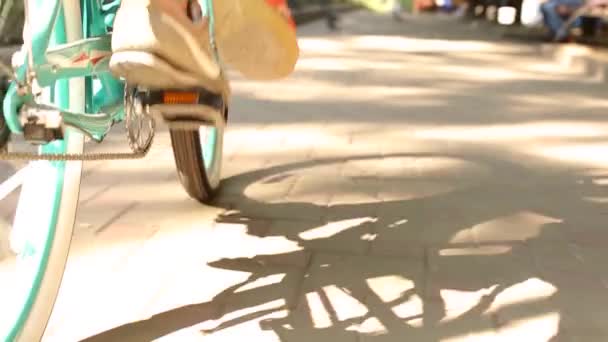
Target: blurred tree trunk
11	21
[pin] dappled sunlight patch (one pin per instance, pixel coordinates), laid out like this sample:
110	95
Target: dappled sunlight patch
308	189
403	190
485	74
321	45
268	192
520	226
136	191
232	240
577	99
541	327
600	181
305	135
324	64
516	132
5	250
334	228
306	90
262	282
488	73
549	67
104	250
101	240
399	294
414	168
246	320
580	155
318	313
426	61
373	326
330	305
477	251
445	166
599	200
390	287
458	302
405	44
479	335
346	64
532	290
277	140
186	334
137	263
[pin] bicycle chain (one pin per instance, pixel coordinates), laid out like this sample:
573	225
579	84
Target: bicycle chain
29	156
137	152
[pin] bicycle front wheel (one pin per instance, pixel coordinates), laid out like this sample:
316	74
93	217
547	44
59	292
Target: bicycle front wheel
39	202
39	239
198	158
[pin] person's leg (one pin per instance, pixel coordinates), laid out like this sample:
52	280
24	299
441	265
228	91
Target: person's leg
543	10
552	19
156	44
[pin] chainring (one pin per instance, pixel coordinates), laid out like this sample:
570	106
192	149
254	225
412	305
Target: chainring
140	125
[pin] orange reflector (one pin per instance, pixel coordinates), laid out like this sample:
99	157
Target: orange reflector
180	97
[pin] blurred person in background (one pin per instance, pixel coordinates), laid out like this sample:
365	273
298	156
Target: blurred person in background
397	9
555	13
330	14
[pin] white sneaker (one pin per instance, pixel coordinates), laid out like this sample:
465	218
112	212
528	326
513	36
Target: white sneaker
156	44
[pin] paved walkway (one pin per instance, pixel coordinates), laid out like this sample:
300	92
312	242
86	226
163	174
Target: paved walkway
419	181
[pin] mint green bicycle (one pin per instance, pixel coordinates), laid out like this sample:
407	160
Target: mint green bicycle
62	94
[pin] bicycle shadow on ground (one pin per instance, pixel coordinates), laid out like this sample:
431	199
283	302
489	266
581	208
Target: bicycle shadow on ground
448	288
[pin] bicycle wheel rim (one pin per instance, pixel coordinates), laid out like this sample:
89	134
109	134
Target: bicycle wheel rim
53	223
47	216
211	141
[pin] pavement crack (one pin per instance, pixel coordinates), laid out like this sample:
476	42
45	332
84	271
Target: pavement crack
96	194
115	217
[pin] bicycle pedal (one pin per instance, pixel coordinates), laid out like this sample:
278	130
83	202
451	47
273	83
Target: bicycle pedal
41	125
185	108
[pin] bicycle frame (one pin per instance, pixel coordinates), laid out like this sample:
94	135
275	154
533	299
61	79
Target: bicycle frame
86	58
47	62
71	82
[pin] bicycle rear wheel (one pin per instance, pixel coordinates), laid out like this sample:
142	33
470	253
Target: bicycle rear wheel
44	196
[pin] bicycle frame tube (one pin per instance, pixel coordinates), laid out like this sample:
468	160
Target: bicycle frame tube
87	58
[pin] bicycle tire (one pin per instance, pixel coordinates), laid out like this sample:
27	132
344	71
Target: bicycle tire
47	209
198	172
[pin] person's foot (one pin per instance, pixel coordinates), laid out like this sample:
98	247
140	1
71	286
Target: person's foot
256	37
156	44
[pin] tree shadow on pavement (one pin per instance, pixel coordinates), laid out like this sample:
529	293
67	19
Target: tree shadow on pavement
450	289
